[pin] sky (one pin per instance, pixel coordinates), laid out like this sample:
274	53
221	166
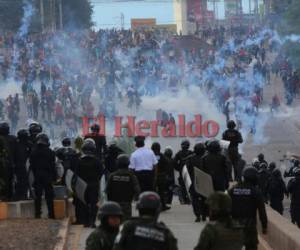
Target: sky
107	13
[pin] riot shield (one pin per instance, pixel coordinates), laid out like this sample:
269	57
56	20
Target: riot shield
203	183
186	178
76	184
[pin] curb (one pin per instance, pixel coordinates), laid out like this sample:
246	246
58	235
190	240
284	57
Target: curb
263	244
63	235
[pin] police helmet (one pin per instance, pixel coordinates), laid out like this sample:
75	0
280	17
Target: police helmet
123	161
95	128
168	152
231	124
297	172
4	128
155	147
199	149
149	201
261	157
35	129
263	165
110	208
78	142
250	174
214	146
272	166
42	139
23	134
255	163
89	146
220	203
66	142
185	144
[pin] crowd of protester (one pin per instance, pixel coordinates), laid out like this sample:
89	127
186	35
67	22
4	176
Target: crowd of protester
63	76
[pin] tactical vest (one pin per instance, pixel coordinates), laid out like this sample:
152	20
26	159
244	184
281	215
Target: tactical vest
121	187
147	237
226	238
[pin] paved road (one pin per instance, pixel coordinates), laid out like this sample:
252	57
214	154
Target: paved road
180	219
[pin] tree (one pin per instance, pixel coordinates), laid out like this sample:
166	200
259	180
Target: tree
11	13
77	14
290	25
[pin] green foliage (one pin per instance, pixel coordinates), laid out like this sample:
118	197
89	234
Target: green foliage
11	13
291	26
77	14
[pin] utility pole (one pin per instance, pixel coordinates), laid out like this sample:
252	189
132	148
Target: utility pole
54	15
122	21
42	15
60	14
250	7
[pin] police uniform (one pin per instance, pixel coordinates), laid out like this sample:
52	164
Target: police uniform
90	170
219	235
294	189
247	199
100	239
104	236
180	160
42	164
145	233
123	187
276	191
198	201
235	138
4	169
100	141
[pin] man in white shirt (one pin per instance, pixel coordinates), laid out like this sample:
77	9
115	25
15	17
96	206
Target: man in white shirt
142	162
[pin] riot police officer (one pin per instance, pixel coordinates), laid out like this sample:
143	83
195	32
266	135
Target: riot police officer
276	191
198	201
161	174
180	160
68	156
168	154
4	170
104	236
145	232
113	151
10	142
42	164
89	170
294	189
123	186
235	138
221	233
34	130
100	141
247	199
261	159
263	180
23	153
217	166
